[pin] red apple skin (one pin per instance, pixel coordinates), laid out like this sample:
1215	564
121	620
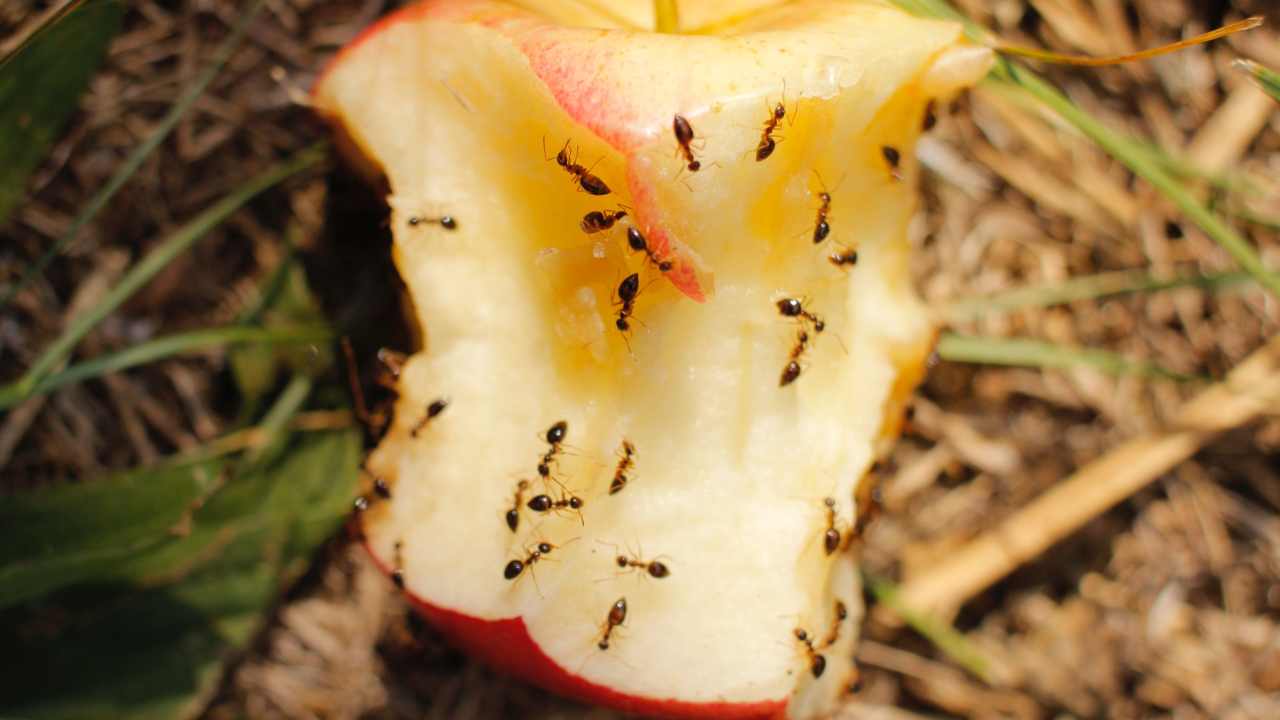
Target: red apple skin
576	86
505	646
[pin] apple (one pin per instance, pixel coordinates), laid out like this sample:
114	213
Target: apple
667	326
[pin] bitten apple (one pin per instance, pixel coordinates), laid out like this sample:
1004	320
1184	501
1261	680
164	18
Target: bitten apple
661	281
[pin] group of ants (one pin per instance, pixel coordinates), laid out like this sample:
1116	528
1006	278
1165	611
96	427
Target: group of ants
601	220
545	502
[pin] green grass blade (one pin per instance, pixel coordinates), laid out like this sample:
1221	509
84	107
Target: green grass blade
1086	287
161	256
1023	352
138	155
1128	151
40	87
164	347
1267	79
946	638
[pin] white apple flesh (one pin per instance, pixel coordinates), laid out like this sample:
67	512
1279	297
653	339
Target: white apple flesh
463	106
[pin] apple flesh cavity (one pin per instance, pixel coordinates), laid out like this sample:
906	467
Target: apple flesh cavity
661	281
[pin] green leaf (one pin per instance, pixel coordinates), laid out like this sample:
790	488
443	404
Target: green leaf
54	537
1024	352
1267	79
149	638
40	86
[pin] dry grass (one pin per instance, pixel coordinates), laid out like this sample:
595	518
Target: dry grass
1166	605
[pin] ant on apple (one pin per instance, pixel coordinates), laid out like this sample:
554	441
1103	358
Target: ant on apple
545	503
843	258
842	613
625	464
894	158
445	221
830	538
792	369
793	307
617	616
767	142
397	574
930	115
513	515
600	220
436	407
655	568
627	291
555	438
684	136
817	663
516	567
586	180
637	243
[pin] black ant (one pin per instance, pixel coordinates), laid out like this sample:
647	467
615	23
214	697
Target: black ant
842	613
821	228
817	663
844	258
600	220
397	574
516	567
436	407
830	538
792	307
767	141
894	158
445	221
792	369
617	616
513	515
625	464
586	180
684	136
869	503
555	437
930	115
627	291
655	568
545	503
637	243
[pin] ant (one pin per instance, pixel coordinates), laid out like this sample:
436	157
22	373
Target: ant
397	575
639	244
516	567
625	463
869	503
545	503
436	407
627	291
684	136
817	663
830	538
894	158
821	228
655	568
513	515
600	220
844	258
555	437
445	221
360	504
792	369
617	616
792	307
586	180
767	141
930	115
842	613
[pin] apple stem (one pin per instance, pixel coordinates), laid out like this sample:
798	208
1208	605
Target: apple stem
666	18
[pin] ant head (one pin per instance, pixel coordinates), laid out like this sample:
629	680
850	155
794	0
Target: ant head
779	111
448	223
621	560
801	635
842	612
576	503
545	547
829	502
622	324
695	166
